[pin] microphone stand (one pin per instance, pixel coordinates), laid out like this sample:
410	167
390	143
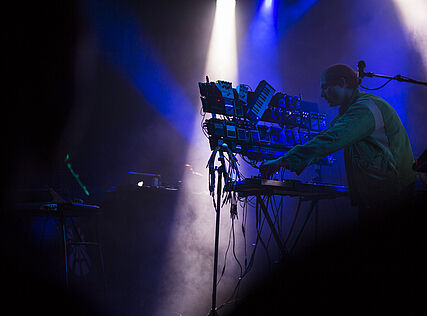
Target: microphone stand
221	172
397	77
361	66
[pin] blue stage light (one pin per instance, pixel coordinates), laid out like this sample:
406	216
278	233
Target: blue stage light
123	43
259	58
290	14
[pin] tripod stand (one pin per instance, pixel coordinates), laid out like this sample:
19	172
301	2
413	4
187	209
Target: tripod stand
219	172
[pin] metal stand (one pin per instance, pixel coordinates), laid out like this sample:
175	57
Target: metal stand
397	77
260	202
361	69
314	206
66	242
220	170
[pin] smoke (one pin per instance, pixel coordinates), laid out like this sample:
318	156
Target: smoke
188	273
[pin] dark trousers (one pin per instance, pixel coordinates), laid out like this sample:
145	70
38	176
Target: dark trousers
392	247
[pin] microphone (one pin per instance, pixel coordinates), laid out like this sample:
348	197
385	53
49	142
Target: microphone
361	70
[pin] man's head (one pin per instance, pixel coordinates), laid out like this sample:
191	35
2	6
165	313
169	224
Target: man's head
338	83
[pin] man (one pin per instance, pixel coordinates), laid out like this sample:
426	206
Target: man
378	156
376	269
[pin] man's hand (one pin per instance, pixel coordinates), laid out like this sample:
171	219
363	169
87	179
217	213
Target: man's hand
268	167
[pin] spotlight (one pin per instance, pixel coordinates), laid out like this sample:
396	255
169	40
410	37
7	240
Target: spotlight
268	4
260	56
222	56
413	17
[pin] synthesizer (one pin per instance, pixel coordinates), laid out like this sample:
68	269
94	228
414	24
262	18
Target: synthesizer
257	141
259	186
263	95
43	202
259	125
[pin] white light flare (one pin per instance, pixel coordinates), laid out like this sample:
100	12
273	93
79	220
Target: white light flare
412	13
266	13
189	259
267	4
222	55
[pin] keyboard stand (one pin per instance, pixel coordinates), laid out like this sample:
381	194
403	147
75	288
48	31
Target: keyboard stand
260	188
66	220
64	214
260	204
314	207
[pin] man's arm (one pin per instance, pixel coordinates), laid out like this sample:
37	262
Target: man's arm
355	124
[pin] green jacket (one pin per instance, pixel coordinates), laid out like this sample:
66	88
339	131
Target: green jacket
377	153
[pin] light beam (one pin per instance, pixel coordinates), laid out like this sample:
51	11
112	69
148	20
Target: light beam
413	15
260	56
222	55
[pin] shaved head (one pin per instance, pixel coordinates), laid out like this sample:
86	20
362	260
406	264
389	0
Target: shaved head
334	73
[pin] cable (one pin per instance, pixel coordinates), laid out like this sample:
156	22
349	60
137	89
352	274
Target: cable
204	128
234	248
314	205
276	211
236	288
246	85
252	163
259	231
293	222
225	258
248	265
244	219
382	86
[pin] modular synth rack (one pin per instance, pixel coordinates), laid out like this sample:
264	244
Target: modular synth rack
261	124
